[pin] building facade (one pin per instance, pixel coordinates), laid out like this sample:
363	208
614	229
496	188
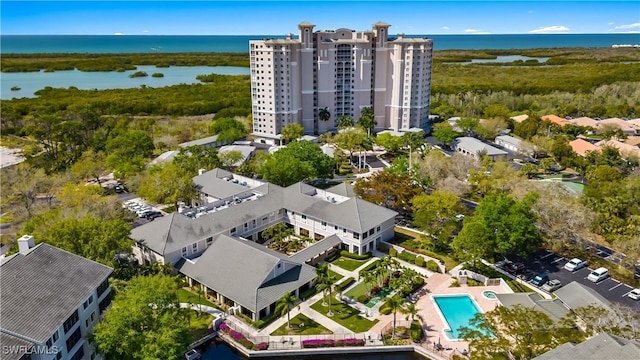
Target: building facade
339	73
51	300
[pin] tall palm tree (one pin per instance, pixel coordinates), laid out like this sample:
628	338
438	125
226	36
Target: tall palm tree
284	304
324	114
321	280
395	304
200	292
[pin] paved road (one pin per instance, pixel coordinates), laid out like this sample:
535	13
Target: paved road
551	263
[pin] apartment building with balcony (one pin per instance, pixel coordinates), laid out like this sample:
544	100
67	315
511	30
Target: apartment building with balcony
51	300
342	71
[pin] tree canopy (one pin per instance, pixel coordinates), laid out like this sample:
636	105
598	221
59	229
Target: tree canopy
144	322
391	190
296	162
228	129
292	132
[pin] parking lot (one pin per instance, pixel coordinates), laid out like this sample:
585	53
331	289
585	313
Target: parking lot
552	264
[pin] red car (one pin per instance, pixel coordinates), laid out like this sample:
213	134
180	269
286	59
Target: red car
515	268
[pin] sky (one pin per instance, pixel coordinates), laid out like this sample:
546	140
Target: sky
269	17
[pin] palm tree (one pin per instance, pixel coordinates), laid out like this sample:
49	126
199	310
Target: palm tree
412	312
284	304
367	119
199	291
321	280
345	122
330	288
324	114
395	303
369	278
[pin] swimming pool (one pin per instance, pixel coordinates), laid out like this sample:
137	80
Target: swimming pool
456	311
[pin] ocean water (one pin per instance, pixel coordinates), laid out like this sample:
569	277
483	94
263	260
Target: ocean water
240	43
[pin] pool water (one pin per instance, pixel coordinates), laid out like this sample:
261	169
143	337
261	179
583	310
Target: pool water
377	297
488	294
457	311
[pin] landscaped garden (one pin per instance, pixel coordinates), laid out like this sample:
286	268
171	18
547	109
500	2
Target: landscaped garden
282	238
347	263
345	315
189	297
301	325
413	241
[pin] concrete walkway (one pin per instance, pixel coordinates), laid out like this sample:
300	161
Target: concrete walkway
204	308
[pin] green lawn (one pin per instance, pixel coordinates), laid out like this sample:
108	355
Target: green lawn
301	325
411	240
186	296
337	277
199	325
357	290
347	263
345	315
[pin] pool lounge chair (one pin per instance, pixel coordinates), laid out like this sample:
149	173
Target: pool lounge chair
463	352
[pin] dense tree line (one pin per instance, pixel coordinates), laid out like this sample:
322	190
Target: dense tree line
116	62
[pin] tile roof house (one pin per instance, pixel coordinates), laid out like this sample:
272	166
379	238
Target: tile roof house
625	149
626	127
555	119
585	121
51	299
582	147
600	346
238	210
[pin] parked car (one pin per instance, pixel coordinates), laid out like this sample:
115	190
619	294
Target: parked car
598	274
551	285
503	264
575	264
527	275
515	268
634	294
540	279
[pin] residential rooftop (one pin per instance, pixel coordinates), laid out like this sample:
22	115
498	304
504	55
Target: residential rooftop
42	287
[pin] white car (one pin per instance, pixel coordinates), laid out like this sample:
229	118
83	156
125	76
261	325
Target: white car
635	294
575	264
598	274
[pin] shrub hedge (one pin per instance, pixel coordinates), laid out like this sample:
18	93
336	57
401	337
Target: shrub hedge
350	255
433	266
416	331
345	284
393	252
407	256
420	261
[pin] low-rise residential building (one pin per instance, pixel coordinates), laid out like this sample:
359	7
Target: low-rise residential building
476	148
627	128
247	152
51	300
597	347
555	119
238	210
510	143
519	118
582	147
626	151
209	141
585	121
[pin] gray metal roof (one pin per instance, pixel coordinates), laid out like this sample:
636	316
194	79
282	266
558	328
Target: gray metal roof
12	342
246	151
575	295
552	307
211	183
41	289
598	347
172	232
238	269
311	251
199	142
509	139
474	145
343	189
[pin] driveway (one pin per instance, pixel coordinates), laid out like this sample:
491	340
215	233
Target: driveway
552	263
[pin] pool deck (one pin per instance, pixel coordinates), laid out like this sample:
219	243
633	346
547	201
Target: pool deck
438	284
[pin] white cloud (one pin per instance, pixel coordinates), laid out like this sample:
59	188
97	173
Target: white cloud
145	31
530	11
475	31
118	33
610	23
445	28
629	26
549	29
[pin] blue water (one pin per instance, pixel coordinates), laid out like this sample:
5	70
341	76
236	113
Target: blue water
457	311
222	351
30	82
240	43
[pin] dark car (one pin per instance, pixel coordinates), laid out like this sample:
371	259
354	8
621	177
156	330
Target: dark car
540	279
152	215
515	268
526	275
